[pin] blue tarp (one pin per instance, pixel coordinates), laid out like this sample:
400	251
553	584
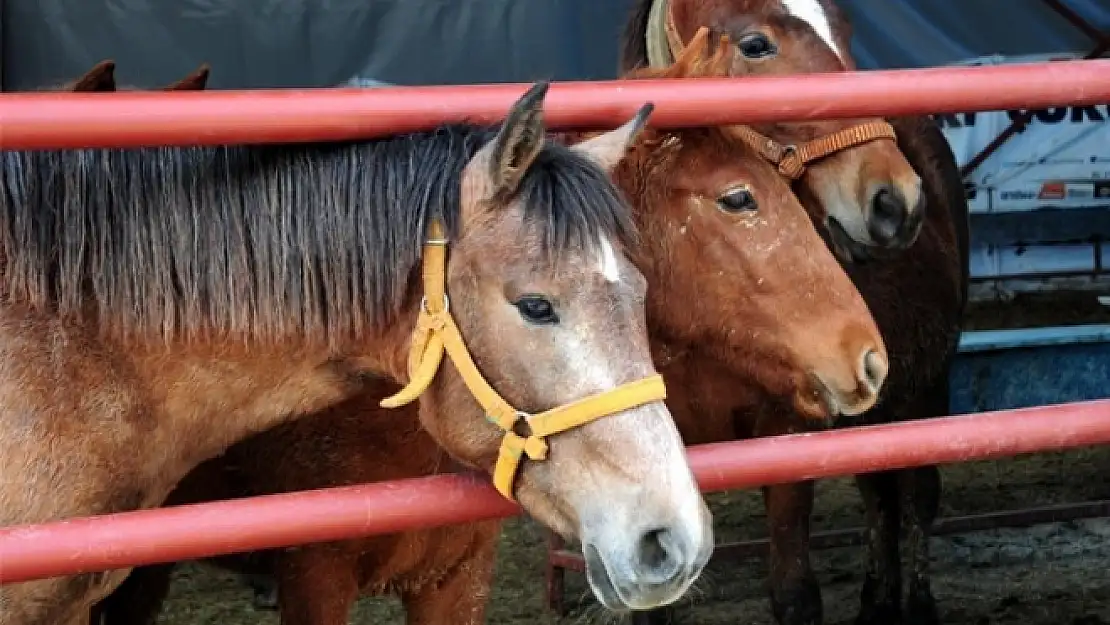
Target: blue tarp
922	33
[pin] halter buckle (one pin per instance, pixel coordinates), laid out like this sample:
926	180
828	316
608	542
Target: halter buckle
424	304
790	162
522	417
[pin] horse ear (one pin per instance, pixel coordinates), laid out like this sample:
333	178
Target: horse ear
722	61
195	81
517	144
688	60
609	149
102	77
691	56
720	64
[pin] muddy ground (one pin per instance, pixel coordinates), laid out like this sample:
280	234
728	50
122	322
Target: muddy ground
1053	574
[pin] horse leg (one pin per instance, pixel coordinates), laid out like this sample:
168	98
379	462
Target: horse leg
460	596
317	585
881	597
921	489
265	591
921	502
138	600
795	593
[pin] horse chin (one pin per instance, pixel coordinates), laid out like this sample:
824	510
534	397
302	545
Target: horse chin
814	408
846	248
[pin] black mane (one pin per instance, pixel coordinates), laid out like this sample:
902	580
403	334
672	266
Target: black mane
633	52
316	241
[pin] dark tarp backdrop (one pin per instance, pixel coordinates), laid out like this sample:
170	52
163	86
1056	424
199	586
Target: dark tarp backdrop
291	43
300	43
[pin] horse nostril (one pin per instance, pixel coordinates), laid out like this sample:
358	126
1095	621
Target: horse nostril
660	555
888	214
873	370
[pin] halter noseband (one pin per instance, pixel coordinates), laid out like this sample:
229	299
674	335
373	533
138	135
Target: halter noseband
791	160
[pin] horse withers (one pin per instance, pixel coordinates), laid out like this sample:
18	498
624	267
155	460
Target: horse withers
174	301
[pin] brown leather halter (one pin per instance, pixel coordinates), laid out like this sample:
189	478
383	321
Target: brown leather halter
791	160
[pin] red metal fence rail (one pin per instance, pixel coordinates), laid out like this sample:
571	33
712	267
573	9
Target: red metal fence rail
75	120
1102	44
185	532
52	120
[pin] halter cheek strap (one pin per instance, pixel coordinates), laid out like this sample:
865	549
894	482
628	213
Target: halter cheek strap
437	334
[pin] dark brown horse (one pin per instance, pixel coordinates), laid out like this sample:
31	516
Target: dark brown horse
774	313
871	196
917	296
102	78
173	301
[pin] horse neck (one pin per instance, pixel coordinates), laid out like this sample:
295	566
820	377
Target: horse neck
209	396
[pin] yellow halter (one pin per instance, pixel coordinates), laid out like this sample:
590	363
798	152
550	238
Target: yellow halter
437	333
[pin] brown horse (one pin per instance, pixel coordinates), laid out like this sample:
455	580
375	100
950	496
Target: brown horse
722	229
870	195
442	575
174	301
102	78
917	296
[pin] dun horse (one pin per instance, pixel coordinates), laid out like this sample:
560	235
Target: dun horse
173	301
917	296
774	314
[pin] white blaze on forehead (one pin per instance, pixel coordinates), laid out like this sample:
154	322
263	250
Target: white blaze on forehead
607	262
811	12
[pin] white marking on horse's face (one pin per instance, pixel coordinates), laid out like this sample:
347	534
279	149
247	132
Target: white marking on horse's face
811	12
609	266
613	504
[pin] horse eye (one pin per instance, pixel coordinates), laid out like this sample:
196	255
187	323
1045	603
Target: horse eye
738	201
535	309
756	46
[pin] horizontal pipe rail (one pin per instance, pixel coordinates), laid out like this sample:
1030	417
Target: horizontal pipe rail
201	530
129	119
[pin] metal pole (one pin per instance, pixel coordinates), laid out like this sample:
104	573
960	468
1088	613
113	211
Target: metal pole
128	119
203	530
